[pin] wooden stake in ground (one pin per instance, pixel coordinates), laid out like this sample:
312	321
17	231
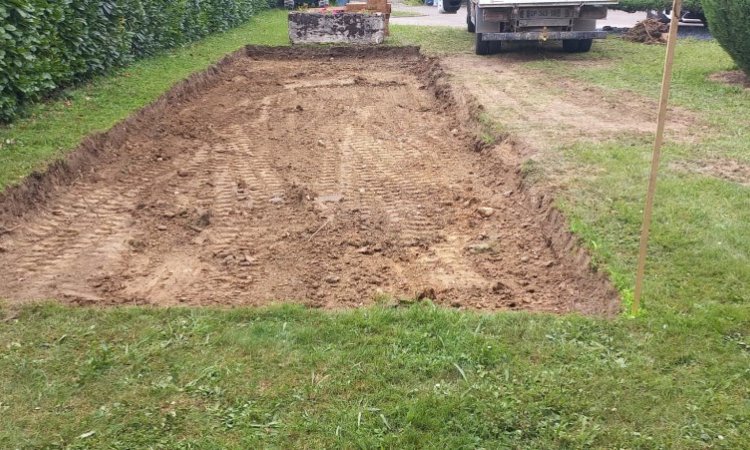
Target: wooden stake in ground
647	212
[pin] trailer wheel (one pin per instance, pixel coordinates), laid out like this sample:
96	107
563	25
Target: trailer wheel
449	9
486	47
584	45
469	24
481	47
577	45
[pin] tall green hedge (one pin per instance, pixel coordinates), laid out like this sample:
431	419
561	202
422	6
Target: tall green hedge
730	25
48	44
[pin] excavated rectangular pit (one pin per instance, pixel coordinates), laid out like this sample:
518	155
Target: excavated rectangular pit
329	177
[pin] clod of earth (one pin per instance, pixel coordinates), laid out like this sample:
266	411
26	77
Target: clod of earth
486	211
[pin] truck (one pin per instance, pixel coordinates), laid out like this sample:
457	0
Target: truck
571	21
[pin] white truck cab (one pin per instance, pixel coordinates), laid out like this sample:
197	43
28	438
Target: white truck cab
571	21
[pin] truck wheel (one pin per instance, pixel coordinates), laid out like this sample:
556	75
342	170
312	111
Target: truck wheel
481	47
469	24
577	45
447	9
584	45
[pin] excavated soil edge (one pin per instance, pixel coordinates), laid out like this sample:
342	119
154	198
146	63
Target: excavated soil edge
555	225
592	291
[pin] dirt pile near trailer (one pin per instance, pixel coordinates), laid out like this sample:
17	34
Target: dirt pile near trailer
329	177
649	31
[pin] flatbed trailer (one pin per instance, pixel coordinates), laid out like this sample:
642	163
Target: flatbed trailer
571	21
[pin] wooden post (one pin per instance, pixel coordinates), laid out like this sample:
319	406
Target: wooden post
648	210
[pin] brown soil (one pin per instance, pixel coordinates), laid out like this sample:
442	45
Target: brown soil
326	177
732	78
726	169
542	111
649	31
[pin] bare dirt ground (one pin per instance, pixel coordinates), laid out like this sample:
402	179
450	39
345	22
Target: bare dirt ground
546	111
725	169
327	177
544	114
732	78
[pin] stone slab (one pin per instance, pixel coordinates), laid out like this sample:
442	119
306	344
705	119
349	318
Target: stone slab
326	27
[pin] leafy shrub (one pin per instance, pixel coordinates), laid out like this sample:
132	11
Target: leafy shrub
730	25
48	44
644	5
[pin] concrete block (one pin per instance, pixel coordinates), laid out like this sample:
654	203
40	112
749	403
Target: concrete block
322	27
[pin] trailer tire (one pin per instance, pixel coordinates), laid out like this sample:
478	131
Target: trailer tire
486	47
584	45
481	47
447	9
469	24
577	45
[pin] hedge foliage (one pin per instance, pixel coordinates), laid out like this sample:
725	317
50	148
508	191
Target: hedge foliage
730	25
48	44
643	5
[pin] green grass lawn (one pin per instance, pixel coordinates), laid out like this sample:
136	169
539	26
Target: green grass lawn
700	251
421	376
433	40
287	377
402	13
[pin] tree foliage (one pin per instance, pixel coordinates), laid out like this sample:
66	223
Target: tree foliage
48	44
730	25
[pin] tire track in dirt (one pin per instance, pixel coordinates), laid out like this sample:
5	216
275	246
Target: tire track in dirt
297	175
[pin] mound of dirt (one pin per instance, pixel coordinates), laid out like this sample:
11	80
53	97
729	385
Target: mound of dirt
649	31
